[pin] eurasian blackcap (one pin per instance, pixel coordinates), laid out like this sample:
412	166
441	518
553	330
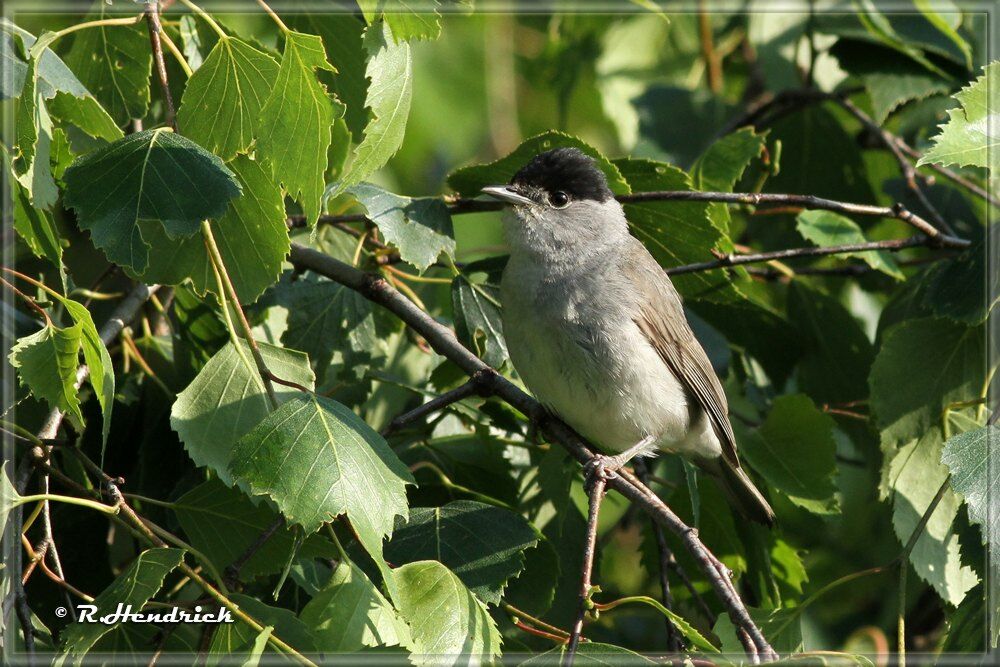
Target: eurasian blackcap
598	333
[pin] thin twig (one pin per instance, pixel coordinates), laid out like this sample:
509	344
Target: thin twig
152	11
443	341
893	245
596	491
713	67
24	618
230	293
476	385
811	202
232	573
665	556
909	172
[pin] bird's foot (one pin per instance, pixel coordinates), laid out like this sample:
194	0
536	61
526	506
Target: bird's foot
602	468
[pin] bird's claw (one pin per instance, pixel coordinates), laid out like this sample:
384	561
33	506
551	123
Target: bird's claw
600	467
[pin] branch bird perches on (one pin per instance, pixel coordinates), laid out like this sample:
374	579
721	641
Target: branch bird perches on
443	341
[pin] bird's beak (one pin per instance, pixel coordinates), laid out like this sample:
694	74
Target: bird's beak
506	193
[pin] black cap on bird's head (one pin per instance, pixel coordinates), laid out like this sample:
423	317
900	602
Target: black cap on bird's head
558	177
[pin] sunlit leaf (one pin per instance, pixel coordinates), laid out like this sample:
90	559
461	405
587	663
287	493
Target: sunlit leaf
227	399
221	107
295	122
316	459
445	618
970	137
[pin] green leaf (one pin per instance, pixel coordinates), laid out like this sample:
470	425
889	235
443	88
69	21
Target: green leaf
325	317
909	396
238	640
295	122
34	141
390	71
469	181
405	21
825	228
316	459
69	98
913	474
946	27
476	308
191	41
957	287
222	103
12	44
9	498
837	354
721	166
153	177
227	399
967	457
484	545
445	618
135	586
342	35
589	654
222	523
891	78
350	613
47	362
114	63
970	137
35	226
675	233
95	354
809	133
881	30
252	237
419	228
795	452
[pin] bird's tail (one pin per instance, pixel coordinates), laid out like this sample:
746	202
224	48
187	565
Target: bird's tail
739	490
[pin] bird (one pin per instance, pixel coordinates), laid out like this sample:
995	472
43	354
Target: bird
597	331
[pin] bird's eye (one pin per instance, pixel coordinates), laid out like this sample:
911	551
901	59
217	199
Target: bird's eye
559	199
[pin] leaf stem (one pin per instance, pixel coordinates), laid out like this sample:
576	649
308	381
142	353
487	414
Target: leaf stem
204	15
28	300
336	542
69	500
230	292
181	60
273	15
417	279
132	20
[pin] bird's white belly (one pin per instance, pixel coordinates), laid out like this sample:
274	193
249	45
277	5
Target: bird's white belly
615	396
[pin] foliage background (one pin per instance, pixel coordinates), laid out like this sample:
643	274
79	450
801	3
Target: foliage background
857	392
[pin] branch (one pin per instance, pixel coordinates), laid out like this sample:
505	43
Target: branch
596	491
444	342
811	251
769	109
666	558
476	385
152	12
810	202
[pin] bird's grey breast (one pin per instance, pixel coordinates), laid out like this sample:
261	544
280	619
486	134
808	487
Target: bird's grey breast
573	341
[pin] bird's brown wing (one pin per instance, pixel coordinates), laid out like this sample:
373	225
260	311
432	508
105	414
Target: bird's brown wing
662	320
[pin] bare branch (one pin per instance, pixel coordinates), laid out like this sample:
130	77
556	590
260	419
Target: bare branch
596	492
666	557
810	202
476	385
152	12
